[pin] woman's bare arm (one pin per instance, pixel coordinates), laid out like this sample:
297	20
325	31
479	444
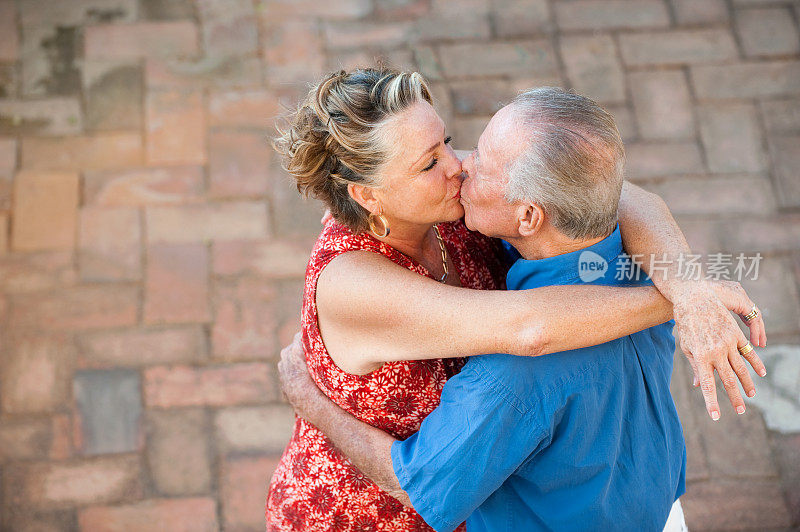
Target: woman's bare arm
373	311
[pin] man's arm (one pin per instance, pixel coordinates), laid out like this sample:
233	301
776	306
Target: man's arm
709	336
369	448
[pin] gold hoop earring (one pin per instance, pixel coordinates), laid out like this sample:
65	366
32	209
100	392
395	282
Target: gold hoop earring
383	221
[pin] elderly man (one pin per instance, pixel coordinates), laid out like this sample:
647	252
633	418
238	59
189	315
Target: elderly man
587	439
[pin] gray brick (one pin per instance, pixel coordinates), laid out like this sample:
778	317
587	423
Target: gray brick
611	14
731	138
767	31
781	116
109	406
785	150
593	67
519	58
519	18
740	194
481	97
264	429
178	451
775	291
646	160
747	80
677	47
735	505
696	12
662	104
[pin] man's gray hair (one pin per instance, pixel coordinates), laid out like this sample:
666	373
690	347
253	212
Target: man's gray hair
573	164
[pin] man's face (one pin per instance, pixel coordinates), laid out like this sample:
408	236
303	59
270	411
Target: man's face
486	174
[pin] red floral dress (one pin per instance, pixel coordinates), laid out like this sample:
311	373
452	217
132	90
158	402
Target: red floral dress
314	487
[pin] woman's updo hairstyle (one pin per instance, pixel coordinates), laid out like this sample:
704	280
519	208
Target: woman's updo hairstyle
335	138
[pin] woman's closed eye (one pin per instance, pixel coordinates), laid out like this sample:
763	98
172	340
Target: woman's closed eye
435	159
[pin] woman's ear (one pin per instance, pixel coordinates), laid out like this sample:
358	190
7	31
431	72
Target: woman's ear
530	218
364	196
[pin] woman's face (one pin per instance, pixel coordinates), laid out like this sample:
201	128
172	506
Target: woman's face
421	183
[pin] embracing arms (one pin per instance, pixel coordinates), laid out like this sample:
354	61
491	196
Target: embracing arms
372	311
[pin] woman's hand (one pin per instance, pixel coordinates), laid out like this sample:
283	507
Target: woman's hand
710	339
296	382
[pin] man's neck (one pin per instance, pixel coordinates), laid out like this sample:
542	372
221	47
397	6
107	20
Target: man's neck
549	243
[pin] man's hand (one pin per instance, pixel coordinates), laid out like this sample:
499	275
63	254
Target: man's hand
298	386
710	338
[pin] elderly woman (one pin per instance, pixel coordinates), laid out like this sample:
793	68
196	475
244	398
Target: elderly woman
387	311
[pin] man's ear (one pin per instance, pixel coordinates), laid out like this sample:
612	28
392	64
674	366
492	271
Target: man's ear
530	218
364	196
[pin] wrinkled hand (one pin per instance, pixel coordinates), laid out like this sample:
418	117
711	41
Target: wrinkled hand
296	381
710	338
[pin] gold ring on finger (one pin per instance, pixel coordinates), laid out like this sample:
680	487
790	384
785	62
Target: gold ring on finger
753	314
746	349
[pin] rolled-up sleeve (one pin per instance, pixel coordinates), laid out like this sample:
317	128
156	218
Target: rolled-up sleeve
465	449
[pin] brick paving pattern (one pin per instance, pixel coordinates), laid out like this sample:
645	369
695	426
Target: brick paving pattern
152	252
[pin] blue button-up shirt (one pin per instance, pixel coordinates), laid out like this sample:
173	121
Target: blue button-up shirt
587	439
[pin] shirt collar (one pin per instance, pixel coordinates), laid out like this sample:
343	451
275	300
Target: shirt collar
592	264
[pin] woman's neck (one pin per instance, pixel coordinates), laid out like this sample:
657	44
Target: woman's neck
410	239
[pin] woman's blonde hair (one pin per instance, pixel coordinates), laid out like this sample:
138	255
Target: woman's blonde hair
336	137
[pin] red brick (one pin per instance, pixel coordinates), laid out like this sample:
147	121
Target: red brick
51	116
677	47
265	429
611	14
360	34
177	515
402	9
30	272
216	71
61	446
520	58
25	520
110	244
786	160
787	453
732	138
243	490
238	164
78	308
651	160
200	223
428	63
144	186
35	373
521	18
25	439
244	326
178	451
213	385
254	108
99	152
3	233
45	210
141	347
176	289
466	131
229	27
346	9
288	311
692	12
593	67
663	104
279	259
8	155
175	128
143	39
62	485
767	31
747	80
292	49
735	505
9	36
